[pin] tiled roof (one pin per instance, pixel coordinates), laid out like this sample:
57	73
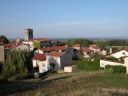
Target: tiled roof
54	48
39	57
126	49
94	46
10	45
1	43
56	54
86	49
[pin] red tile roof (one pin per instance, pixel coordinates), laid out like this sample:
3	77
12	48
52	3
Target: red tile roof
39	57
94	46
1	43
54	48
10	45
126	49
86	49
56	54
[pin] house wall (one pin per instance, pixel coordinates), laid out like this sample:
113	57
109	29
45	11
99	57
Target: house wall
119	54
70	68
104	52
65	59
85	53
55	60
29	43
43	65
23	47
77	48
103	63
95	50
40	52
126	60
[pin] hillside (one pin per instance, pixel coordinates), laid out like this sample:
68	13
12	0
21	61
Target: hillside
72	84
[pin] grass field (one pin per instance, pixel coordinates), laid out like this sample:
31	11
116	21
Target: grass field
73	84
88	80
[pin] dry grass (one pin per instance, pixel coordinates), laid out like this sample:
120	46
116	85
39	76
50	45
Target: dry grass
75	84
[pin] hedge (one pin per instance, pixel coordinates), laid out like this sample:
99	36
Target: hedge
115	69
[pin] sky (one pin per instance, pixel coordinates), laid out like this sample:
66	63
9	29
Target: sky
65	18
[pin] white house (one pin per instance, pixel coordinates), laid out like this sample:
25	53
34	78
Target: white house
94	48
52	61
104	52
103	63
23	47
40	63
58	59
122	53
86	52
30	43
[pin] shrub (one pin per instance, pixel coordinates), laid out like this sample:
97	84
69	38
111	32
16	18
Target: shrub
88	65
115	69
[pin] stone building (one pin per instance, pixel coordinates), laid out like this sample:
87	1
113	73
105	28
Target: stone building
28	34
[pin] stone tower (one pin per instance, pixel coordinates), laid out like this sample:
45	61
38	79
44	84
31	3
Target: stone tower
28	34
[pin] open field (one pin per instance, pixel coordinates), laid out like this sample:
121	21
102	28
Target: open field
72	84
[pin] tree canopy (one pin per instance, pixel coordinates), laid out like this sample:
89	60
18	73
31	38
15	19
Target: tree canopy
17	63
82	42
4	39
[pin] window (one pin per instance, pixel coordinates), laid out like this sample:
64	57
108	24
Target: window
43	65
123	53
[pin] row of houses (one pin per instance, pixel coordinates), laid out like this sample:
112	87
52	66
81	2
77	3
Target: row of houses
45	58
54	58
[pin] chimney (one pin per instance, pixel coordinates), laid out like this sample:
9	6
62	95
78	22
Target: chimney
110	50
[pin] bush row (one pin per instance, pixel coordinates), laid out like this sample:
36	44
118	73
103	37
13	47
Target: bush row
115	69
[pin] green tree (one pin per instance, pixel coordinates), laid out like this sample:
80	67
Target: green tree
16	65
82	42
4	39
37	44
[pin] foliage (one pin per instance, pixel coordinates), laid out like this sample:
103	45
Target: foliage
16	64
1	67
4	39
118	43
80	54
115	69
37	44
102	44
82	42
113	42
58	43
89	65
